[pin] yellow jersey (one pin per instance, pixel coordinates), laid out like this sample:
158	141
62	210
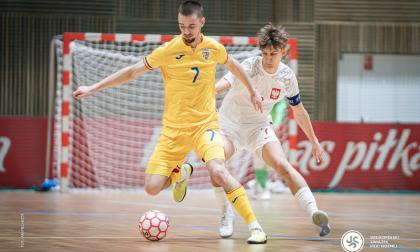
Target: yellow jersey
189	77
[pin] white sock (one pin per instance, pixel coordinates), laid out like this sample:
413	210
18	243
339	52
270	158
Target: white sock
306	199
223	201
254	225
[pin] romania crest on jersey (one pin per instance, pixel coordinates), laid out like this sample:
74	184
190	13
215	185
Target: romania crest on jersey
205	53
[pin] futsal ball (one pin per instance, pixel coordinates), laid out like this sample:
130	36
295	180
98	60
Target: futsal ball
154	225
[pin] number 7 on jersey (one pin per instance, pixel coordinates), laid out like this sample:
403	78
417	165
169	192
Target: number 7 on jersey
197	72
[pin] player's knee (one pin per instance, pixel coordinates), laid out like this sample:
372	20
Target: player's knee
219	176
218	172
152	189
214	182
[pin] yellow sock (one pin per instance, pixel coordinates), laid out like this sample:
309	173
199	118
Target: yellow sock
240	202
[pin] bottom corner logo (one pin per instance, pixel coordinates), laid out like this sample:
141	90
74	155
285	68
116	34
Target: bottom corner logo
352	241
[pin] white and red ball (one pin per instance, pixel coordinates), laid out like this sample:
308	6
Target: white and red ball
154	225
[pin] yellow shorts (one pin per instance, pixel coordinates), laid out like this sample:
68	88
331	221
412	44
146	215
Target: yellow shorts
175	143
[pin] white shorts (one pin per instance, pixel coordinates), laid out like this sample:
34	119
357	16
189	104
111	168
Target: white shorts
248	136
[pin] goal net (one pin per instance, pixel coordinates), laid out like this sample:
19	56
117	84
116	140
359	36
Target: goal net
105	141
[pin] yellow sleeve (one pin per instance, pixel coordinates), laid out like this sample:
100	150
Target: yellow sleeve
222	55
156	58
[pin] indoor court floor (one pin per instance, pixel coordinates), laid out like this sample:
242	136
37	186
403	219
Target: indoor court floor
108	221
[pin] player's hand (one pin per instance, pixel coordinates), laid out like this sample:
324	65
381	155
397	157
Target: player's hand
318	152
256	100
82	92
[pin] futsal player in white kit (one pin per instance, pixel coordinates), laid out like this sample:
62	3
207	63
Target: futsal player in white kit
243	127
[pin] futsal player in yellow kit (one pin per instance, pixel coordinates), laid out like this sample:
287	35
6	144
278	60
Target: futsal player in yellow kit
190	122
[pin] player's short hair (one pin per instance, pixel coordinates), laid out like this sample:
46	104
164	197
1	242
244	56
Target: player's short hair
191	7
273	36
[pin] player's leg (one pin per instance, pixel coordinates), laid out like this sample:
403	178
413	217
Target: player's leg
273	155
228	215
230	149
209	145
229	146
163	166
237	196
154	183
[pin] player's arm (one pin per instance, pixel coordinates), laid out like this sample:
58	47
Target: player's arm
237	70
118	78
222	85
304	122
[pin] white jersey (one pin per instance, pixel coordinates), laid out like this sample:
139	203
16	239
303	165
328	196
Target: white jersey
237	106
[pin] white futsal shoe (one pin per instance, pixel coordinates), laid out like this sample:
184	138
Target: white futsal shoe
257	236
320	218
227	221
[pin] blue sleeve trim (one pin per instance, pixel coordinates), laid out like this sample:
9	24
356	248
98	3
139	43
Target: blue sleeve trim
146	63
